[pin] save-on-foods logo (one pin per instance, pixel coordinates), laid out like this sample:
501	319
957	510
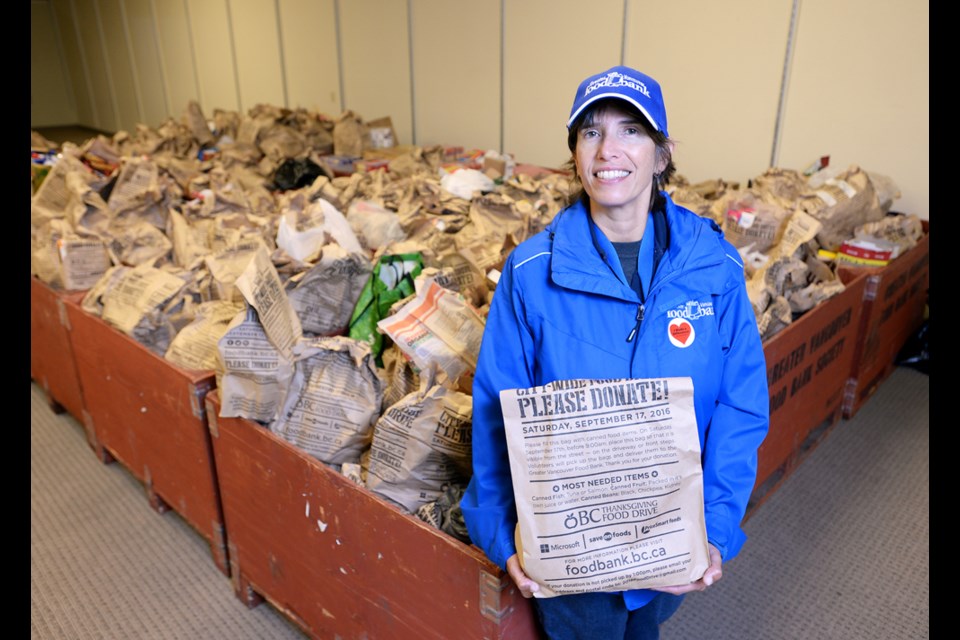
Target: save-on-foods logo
607	536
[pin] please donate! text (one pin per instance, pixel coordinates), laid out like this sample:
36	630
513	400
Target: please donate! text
548	401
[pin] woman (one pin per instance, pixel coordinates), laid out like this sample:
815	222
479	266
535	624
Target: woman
597	294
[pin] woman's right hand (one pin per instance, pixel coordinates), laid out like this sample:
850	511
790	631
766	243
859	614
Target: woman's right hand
527	586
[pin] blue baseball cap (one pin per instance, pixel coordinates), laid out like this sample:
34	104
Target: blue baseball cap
623	83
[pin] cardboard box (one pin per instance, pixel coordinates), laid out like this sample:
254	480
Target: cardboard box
149	414
893	310
51	354
808	364
340	561
380	134
494	168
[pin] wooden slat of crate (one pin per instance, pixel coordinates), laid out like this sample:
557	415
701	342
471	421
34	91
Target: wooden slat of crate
149	414
808	365
894	303
51	354
340	561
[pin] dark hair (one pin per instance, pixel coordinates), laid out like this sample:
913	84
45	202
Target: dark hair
586	119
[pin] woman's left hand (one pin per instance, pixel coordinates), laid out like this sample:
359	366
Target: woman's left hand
713	573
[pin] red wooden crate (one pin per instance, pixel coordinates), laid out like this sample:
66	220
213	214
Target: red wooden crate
893	310
808	364
340	561
149	414
51	354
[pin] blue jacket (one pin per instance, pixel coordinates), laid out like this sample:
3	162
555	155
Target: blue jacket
562	310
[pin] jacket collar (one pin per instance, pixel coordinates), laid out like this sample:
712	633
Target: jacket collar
582	254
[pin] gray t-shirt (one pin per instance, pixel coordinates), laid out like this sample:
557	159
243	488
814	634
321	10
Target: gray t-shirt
628	253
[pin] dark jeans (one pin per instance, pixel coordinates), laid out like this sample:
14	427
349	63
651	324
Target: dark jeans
603	616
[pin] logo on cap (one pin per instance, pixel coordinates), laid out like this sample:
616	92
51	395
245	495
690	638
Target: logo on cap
616	79
624	83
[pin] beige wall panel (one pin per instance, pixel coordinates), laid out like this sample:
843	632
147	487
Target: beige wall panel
859	92
146	61
550	47
105	115
122	81
720	67
376	62
309	37
74	62
51	102
858	85
456	72
213	55
257	42
176	55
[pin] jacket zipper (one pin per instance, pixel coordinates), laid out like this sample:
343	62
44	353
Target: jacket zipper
636	328
643	305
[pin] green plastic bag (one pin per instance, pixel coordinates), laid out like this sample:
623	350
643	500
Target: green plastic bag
391	280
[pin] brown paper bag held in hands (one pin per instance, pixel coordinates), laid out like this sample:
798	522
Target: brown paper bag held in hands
608	484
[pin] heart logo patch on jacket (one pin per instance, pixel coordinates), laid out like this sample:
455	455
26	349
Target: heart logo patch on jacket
681	333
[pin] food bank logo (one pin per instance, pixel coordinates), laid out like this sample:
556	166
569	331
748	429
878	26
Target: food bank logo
691	310
616	79
680	331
